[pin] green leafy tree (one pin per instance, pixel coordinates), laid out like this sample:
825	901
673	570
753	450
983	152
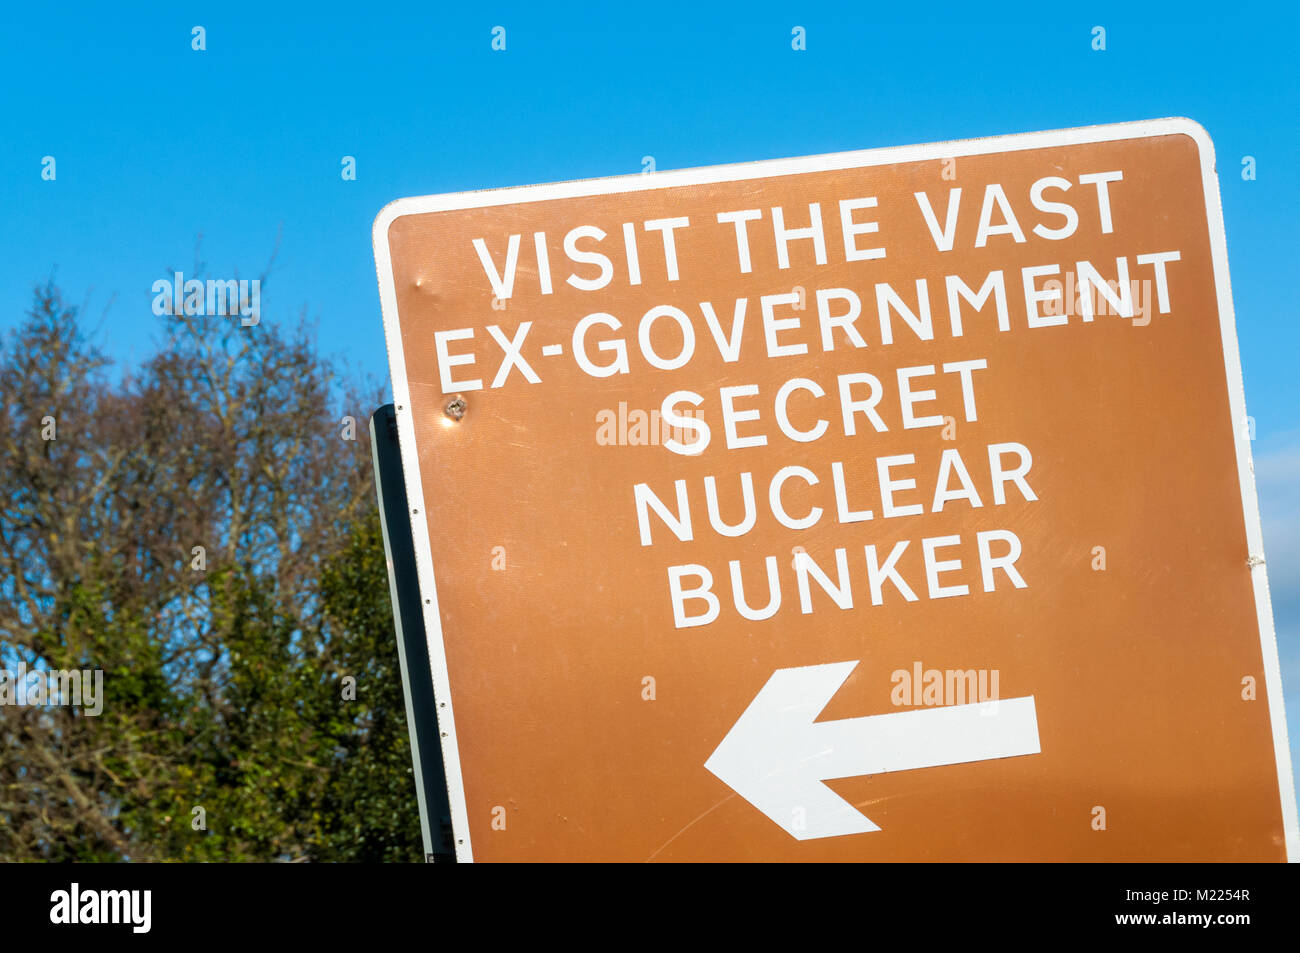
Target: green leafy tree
197	529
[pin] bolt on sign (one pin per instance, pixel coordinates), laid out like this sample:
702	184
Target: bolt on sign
888	505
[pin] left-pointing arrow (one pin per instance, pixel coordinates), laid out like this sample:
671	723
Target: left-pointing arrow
776	755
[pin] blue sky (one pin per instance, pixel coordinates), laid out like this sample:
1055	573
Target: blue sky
157	145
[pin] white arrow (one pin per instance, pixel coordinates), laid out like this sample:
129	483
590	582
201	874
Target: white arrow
776	756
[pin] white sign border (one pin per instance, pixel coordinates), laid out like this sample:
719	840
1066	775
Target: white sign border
825	163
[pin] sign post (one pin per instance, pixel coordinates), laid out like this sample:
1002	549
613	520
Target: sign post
412	644
889	505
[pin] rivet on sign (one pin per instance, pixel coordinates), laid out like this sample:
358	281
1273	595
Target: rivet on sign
456	409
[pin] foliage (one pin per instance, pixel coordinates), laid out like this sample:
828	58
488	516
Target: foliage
223	667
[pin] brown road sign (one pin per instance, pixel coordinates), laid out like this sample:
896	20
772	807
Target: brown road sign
887	505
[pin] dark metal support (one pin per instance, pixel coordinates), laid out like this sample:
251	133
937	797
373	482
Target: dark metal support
412	649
